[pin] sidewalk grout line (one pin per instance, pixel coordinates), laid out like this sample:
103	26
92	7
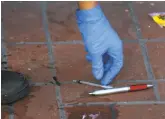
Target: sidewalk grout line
4	62
117	82
51	57
41	83
141	81
155	40
123	81
112	109
11	114
144	50
4	65
116	103
74	42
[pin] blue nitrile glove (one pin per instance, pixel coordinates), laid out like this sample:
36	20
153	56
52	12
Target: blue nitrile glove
100	39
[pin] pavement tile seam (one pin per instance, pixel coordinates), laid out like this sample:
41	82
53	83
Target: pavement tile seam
112	108
116	103
119	81
3	50
154	40
149	69
143	49
60	42
9	108
63	42
141	81
11	111
51	57
124	81
135	20
11	116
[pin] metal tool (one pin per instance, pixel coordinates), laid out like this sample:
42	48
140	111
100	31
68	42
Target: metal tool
92	84
122	89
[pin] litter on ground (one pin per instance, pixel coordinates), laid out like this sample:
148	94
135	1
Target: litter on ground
159	18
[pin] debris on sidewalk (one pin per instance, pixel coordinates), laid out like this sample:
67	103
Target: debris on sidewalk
94	116
126	10
159	18
84	116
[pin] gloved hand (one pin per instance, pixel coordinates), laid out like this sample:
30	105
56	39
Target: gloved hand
100	39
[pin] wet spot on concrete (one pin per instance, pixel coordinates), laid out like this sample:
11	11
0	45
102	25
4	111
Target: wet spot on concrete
90	112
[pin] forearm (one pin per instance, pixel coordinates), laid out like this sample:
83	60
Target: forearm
85	5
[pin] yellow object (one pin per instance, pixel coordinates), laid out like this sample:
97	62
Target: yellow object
159	21
159	18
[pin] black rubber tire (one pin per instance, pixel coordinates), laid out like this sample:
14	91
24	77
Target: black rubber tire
19	90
